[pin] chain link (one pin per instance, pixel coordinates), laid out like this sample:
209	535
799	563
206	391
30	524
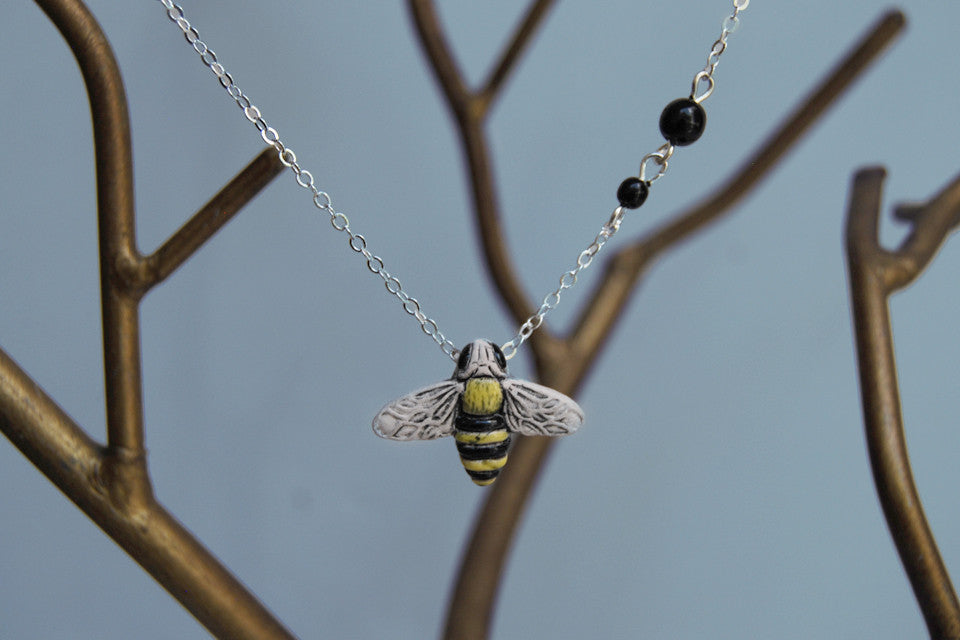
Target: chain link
567	280
730	24
660	158
357	243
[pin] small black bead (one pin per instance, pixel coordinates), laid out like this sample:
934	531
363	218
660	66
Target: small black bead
683	121
632	192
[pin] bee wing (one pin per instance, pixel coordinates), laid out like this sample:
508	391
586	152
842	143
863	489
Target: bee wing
532	409
422	415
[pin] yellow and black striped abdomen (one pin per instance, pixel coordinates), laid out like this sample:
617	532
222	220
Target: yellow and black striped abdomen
482	436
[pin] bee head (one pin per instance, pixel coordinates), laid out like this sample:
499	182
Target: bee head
481	358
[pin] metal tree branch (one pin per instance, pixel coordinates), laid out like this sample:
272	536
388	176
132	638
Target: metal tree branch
470	108
875	273
563	363
511	53
111	484
156	267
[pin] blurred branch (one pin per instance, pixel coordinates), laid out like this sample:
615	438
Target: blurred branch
614	291
209	219
96	480
470	111
875	273
111	484
563	363
536	12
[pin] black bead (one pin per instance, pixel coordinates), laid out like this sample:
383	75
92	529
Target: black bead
683	121
632	192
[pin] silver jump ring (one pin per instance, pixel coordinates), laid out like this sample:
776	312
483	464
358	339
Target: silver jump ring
659	159
697	79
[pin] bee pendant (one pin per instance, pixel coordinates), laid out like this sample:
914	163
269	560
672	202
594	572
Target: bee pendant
480	406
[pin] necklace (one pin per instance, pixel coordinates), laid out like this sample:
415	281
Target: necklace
480	405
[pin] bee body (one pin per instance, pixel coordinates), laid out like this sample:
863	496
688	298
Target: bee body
480	407
481	431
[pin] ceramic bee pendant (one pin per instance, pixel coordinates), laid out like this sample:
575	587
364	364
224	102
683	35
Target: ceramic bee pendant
480	407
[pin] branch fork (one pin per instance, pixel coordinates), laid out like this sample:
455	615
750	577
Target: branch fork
111	483
875	273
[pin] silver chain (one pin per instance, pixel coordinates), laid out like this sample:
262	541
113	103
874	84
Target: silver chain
567	280
730	24
340	222
321	199
660	158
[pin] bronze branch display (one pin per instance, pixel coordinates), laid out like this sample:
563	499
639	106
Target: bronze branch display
875	273
111	483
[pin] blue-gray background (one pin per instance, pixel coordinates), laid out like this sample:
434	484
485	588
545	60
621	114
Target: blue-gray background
720	487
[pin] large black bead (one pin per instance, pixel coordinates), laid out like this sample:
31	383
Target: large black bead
632	192
683	121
